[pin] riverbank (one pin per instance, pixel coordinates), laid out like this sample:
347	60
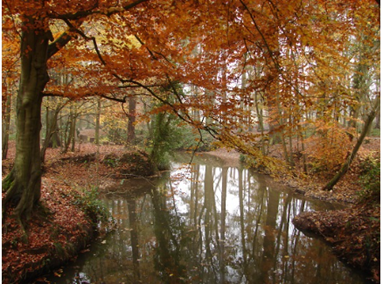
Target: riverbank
87	168
347	191
53	236
66	222
354	232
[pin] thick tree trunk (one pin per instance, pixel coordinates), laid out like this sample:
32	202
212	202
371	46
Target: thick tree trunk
24	182
6	127
350	158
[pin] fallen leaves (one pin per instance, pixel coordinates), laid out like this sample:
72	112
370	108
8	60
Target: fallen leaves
354	234
65	223
25	253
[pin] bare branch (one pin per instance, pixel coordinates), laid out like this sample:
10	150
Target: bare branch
123	100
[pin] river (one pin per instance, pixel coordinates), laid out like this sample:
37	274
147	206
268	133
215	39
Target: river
206	223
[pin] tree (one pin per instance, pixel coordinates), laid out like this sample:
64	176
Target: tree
131	137
52	138
24	181
42	37
352	155
366	47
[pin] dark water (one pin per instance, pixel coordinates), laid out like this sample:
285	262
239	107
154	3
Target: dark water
207	224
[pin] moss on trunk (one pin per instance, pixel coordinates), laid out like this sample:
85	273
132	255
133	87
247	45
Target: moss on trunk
25	180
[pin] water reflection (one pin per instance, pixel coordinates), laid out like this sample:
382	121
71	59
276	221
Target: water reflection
208	224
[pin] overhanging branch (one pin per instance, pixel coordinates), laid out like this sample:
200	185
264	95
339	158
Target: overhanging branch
91	11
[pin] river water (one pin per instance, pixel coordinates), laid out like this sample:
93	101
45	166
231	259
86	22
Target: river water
206	223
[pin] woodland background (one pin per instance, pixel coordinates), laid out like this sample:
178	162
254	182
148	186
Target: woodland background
299	76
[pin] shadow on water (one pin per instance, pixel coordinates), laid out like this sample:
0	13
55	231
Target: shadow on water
207	223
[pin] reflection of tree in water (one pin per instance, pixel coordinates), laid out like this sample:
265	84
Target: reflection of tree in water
114	261
134	238
227	226
168	259
257	244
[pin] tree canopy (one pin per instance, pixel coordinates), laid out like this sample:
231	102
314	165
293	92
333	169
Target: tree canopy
252	72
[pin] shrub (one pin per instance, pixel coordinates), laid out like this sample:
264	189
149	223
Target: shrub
136	163
111	160
370	179
93	206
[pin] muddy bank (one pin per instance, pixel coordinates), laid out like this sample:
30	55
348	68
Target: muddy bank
230	157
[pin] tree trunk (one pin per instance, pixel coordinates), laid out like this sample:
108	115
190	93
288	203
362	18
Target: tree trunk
350	158
70	130
55	140
72	133
45	141
132	119
6	127
377	125
97	129
52	138
24	182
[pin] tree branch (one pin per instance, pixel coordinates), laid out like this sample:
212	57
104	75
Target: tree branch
109	12
64	38
123	100
59	43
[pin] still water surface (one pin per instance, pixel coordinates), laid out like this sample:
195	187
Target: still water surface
207	223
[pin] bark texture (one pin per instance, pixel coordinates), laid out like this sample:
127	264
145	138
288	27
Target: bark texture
24	182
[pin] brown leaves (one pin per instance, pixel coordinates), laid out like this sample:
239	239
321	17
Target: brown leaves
354	234
25	253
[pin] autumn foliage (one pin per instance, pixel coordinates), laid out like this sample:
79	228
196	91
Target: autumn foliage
303	75
286	68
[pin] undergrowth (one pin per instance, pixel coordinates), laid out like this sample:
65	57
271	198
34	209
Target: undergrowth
93	207
370	179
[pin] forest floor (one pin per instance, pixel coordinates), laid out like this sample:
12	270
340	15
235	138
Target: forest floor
354	232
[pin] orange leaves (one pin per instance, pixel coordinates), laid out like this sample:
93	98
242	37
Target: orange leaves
329	148
282	62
